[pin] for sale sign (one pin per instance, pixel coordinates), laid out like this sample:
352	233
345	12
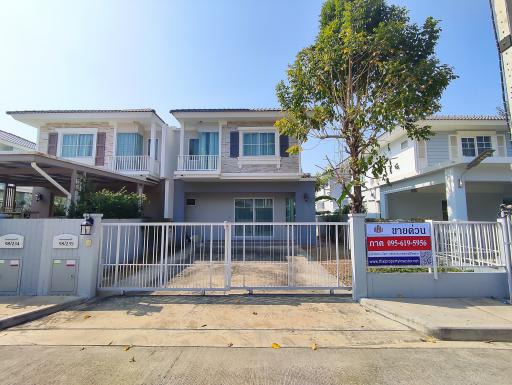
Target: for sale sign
399	244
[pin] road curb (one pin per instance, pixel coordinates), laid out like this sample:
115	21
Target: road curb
445	333
39	313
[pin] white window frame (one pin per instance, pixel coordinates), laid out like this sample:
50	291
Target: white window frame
259	159
253	198
473	134
76	131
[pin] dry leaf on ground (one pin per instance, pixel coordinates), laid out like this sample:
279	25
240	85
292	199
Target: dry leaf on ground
275	345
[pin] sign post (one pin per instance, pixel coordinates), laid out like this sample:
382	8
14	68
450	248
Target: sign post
399	244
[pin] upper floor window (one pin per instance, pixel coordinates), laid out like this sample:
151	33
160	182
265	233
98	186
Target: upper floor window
259	144
129	144
77	145
193	147
475	145
404	144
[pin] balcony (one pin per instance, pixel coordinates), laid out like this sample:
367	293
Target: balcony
198	162
134	164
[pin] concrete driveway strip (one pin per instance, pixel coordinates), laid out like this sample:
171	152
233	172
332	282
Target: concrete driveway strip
455	319
15	310
214	321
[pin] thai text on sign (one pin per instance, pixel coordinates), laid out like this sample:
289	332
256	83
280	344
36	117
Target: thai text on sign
399	244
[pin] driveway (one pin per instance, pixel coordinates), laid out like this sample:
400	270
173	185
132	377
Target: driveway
214	321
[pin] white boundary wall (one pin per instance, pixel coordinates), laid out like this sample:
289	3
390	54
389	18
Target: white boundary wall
37	254
486	281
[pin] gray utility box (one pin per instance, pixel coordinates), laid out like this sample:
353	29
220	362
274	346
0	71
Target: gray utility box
9	275
64	274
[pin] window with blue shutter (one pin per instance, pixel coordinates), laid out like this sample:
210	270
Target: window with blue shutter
284	144
234	140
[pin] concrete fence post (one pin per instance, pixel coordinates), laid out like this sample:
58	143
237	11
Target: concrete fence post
505	245
90	247
358	255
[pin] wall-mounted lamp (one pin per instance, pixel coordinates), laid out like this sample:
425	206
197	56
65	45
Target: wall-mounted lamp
39	197
306	197
86	225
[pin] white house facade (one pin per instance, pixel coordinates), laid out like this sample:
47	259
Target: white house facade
441	178
133	143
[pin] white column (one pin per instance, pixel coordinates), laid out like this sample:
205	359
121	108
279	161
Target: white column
219	160
456	194
182	139
384	207
163	149
358	255
152	147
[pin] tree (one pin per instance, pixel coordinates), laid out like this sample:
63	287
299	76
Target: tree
369	71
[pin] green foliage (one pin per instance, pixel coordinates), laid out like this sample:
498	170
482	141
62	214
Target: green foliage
59	207
369	71
118	205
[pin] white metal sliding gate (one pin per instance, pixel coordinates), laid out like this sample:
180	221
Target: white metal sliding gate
224	256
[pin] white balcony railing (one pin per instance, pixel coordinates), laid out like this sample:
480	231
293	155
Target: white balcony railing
134	163
198	162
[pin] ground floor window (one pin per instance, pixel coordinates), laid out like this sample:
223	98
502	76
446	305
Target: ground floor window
252	210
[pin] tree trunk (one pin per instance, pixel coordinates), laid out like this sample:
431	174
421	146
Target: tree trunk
357	202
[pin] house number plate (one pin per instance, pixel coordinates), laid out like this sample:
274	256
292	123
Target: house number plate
65	241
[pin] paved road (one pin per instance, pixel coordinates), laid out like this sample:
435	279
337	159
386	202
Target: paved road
210	366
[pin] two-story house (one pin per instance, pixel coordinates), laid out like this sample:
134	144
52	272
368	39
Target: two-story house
220	165
442	178
132	148
233	166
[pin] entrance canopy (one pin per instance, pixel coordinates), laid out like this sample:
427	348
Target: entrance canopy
36	169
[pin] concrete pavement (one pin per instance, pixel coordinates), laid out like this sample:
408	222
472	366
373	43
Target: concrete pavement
455	319
320	339
19	309
49	365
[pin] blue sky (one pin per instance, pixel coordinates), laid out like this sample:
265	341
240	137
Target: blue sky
163	54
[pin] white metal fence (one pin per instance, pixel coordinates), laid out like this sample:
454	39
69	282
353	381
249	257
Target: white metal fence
468	244
223	256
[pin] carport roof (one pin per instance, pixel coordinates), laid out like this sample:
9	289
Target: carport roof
16	168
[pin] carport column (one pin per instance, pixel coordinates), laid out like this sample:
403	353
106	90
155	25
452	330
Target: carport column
140	192
72	187
90	246
456	194
358	255
384	210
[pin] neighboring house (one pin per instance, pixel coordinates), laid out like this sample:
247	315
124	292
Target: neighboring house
334	190
430	179
233	166
135	143
14	198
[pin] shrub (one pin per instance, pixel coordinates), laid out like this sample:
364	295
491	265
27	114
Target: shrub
120	205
